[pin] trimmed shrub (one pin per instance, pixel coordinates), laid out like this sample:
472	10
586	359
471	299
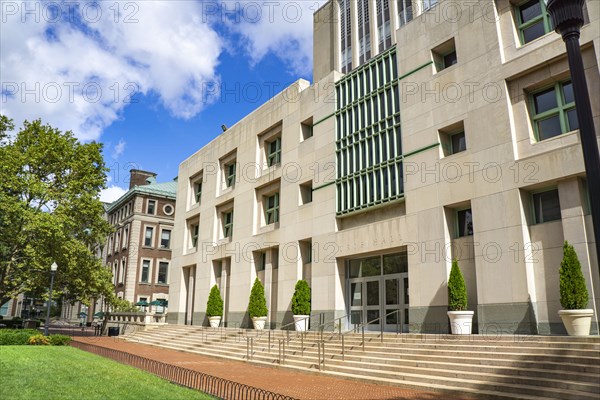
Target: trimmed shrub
38	340
59	340
214	305
16	337
573	292
457	290
257	306
301	298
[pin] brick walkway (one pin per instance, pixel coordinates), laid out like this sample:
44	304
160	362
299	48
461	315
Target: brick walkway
295	384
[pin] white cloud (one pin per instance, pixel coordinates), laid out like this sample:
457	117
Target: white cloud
284	29
112	193
119	149
79	74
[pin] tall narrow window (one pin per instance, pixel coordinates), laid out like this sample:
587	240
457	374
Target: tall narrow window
465	222
533	20
546	206
227	222
151	207
165	239
145	271
272	209
148	236
273	152
230	174
405	12
383	24
345	36
364	32
194	229
553	111
198	191
163	270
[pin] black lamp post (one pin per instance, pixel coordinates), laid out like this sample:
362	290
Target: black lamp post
567	19
53	269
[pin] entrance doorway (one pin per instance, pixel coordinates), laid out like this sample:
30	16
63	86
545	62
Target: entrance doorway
378	285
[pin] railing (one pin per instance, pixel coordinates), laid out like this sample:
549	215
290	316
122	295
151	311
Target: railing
212	385
361	326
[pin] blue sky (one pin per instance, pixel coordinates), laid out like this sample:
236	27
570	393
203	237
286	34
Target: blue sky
153	80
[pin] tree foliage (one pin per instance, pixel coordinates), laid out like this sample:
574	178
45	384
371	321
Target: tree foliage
257	306
457	290
214	305
301	298
50	212
573	292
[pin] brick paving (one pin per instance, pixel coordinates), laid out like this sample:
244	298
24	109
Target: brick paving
299	385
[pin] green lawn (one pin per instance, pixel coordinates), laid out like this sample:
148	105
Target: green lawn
57	372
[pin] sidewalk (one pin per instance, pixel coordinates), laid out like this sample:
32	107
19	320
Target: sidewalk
279	380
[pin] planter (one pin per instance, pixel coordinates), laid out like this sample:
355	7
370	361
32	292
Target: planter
259	322
577	322
461	322
214	321
301	322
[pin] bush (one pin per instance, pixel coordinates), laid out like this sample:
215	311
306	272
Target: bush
38	340
257	306
59	340
16	337
301	299
457	290
573	292
214	306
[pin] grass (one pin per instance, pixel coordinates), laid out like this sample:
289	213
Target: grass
65	373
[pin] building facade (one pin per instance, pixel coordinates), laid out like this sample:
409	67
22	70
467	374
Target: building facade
139	250
433	131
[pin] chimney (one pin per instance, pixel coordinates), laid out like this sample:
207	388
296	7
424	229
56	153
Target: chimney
138	177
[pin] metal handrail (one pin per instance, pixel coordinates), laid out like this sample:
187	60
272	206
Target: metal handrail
362	327
321	327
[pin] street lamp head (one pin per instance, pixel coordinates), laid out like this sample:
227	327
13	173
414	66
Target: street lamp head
53	267
567	15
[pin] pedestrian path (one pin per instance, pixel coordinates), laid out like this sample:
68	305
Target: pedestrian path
298	385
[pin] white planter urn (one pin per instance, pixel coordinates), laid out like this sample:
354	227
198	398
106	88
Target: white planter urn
461	322
577	322
259	322
301	322
214	321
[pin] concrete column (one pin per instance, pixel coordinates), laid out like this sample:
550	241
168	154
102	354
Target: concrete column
225	287
190	295
268	282
373	28
394	24
354	29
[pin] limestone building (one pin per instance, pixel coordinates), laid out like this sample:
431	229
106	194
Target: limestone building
432	131
139	250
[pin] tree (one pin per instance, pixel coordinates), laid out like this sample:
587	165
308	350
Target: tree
50	212
257	306
573	292
301	298
457	290
214	305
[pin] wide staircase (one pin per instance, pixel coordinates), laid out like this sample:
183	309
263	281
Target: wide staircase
499	367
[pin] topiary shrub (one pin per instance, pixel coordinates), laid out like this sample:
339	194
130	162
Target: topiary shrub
16	337
257	306
457	290
573	292
59	340
301	298
38	340
214	305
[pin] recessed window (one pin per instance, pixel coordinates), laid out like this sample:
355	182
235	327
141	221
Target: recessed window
444	55
405	11
165	239
125	237
227	223
168	209
307	129
546	206
151	207
457	143
145	271
163	269
533	20
148	236
198	192
194	230
553	111
261	261
230	174
306	190
273	148
427	4
272	208
453	139
465	222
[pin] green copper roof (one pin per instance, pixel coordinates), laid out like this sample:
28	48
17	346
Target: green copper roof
166	189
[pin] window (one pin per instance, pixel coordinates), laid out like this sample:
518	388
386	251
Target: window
453	139
307	129
444	55
4	309
272	209
306	193
458	143
261	265
194	230
450	59
230	174
405	13
553	111
148	236
168	209
145	271
533	20
427	4
198	191
465	222
125	237
273	152
123	265
227	222
163	268
546	206
165	239
151	207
